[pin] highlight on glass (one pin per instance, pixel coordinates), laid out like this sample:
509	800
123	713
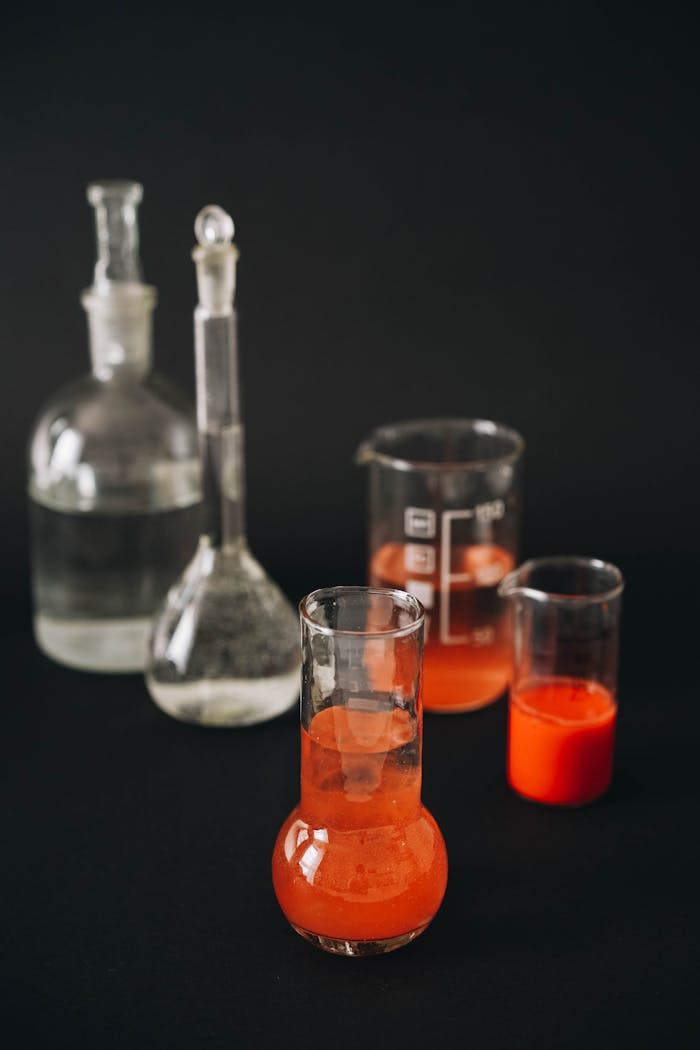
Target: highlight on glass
360	866
444	508
563	697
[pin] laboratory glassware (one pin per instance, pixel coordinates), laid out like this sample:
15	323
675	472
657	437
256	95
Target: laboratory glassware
563	706
225	645
360	866
114	478
444	505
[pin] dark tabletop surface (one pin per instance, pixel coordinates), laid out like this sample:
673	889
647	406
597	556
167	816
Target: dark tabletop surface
139	909
485	213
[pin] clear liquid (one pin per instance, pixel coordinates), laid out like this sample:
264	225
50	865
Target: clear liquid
225	648
227	701
99	578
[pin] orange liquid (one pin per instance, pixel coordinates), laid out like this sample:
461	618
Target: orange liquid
560	741
467	674
360	858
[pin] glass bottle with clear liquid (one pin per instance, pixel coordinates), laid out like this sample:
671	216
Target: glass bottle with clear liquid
225	646
114	474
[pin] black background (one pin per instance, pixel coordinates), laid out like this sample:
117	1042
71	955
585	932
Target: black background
487	214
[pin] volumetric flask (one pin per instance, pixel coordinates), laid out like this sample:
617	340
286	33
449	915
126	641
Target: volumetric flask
225	645
443	525
563	707
360	866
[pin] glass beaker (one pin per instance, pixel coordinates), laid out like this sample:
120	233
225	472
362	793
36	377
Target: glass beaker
360	866
563	706
443	525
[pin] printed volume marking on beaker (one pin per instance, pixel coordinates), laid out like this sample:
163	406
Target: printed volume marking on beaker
485	575
419	557
423	591
419	523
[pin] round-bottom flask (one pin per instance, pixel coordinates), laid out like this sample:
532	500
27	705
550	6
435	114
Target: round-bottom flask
359	866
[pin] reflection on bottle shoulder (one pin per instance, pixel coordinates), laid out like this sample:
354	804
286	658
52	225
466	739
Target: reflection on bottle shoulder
118	487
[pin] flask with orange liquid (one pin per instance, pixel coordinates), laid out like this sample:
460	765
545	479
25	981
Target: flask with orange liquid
444	513
360	866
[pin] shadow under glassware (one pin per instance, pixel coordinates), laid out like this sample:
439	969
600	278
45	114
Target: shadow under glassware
563	696
444	508
360	866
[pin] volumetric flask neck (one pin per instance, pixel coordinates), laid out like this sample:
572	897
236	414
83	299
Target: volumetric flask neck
218	391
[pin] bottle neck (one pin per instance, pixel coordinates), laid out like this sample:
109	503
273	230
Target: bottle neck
120	327
220	429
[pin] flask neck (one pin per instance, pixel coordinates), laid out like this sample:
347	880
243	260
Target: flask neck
120	327
220	429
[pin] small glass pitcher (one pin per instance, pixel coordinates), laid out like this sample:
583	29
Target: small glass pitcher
563	705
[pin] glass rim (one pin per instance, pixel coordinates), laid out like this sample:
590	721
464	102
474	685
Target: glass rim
368	453
509	586
407	601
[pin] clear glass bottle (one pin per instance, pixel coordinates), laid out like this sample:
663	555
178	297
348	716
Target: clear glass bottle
114	475
225	647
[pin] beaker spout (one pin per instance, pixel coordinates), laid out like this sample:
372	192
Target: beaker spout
518	584
509	587
218	393
364	454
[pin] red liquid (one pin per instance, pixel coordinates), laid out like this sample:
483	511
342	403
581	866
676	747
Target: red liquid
469	673
560	741
360	858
